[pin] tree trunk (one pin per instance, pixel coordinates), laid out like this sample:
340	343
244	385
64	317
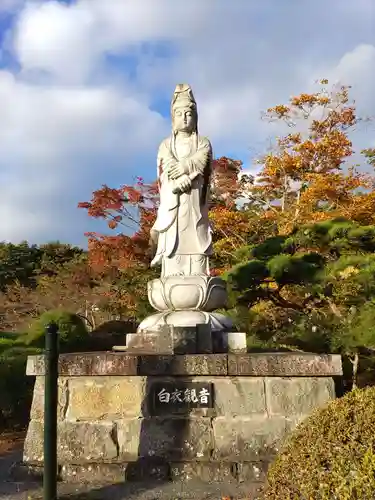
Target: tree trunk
355	362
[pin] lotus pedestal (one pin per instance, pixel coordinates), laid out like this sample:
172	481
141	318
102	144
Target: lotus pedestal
187	301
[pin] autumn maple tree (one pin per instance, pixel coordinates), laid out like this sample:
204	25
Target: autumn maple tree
128	210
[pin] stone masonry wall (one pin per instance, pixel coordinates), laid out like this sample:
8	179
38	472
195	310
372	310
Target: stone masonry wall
105	420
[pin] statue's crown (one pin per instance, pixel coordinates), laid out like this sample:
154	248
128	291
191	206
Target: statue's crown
183	96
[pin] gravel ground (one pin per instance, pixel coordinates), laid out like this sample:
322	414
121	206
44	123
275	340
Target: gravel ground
11	454
169	491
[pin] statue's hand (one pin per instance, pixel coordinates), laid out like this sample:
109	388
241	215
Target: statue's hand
177	171
183	184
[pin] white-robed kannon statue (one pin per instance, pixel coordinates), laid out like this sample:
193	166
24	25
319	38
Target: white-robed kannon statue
185	294
182	232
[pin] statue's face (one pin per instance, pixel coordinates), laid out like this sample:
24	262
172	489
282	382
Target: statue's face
184	119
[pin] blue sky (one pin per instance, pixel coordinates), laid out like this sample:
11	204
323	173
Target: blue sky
85	88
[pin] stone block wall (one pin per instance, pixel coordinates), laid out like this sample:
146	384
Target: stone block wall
106	424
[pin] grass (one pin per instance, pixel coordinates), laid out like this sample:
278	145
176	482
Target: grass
9	335
5	344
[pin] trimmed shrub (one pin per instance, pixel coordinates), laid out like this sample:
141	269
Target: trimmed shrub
331	455
73	334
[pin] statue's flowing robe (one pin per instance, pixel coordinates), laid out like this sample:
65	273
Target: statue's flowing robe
182	226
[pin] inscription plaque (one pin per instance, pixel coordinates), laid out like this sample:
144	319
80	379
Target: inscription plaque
170	397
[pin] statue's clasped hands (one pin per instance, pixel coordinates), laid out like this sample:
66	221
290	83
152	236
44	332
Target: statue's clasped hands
176	171
182	184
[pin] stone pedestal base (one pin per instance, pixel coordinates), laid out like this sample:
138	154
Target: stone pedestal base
109	426
169	339
197	339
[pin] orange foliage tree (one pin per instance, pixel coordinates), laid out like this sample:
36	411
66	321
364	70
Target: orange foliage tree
131	209
232	222
122	259
307	177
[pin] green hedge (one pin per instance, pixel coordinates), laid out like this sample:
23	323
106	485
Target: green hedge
331	455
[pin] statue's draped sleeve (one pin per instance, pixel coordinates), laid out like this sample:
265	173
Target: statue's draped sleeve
168	199
165	161
200	163
201	159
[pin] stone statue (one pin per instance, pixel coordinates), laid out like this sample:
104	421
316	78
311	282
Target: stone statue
182	229
185	294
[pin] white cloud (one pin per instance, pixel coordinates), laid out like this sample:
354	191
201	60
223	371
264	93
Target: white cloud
50	136
120	22
10	5
56	38
358	67
72	119
67	40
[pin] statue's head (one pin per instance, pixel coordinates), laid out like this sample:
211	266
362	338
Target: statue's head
184	110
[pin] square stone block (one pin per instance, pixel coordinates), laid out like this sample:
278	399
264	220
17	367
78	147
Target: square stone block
87	364
150	342
204	339
93	473
189	364
184	340
128	432
37	406
147	470
284	364
99	398
236	342
210	472
176	439
298	396
247	439
77	442
239	396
